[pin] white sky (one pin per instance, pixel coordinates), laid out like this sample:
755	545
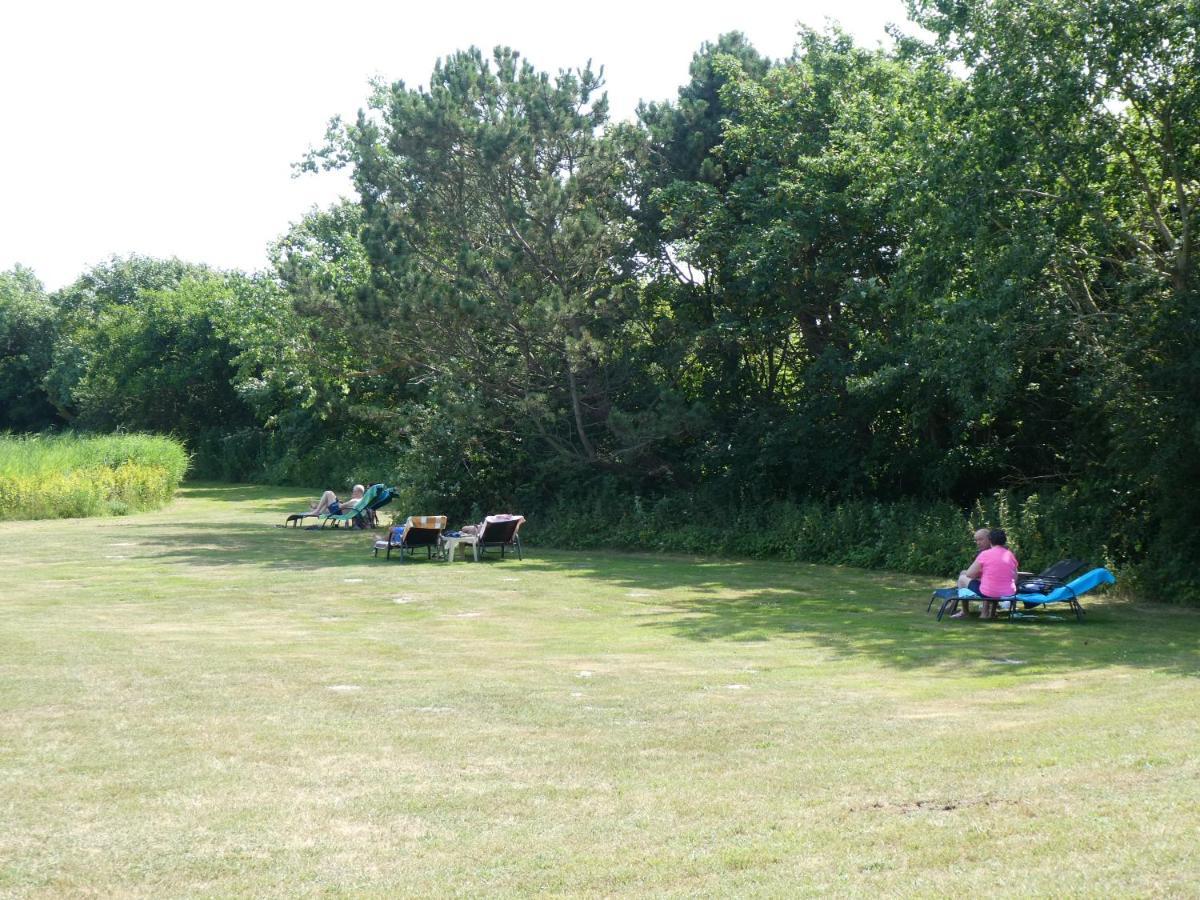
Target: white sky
168	128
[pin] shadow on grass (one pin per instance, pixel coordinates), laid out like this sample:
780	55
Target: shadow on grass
854	612
257	544
851	612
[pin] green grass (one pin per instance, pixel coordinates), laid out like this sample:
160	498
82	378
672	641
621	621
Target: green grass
195	703
73	475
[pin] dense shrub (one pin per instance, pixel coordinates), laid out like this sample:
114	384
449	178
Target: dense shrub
70	475
924	538
326	460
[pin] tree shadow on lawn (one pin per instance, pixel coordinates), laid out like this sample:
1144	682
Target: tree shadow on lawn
854	612
258	541
258	544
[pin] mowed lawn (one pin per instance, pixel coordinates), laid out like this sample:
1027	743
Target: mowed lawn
196	703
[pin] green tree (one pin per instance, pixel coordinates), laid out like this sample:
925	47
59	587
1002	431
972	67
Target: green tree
324	350
28	325
117	283
496	218
1058	229
161	364
793	243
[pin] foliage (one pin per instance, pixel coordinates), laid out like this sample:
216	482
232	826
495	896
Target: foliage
236	367
304	343
111	295
853	290
498	228
70	475
160	365
1066	192
919	537
27	333
794	247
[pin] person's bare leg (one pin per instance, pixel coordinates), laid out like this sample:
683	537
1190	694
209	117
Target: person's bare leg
964	581
323	504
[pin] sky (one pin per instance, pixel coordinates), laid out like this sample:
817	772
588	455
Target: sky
170	128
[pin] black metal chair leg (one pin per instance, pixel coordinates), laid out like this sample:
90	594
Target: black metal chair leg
948	602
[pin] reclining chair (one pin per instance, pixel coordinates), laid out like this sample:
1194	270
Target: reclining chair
417	531
1033	591
1043	582
499	531
362	513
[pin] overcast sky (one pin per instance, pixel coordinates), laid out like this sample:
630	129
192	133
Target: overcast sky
170	128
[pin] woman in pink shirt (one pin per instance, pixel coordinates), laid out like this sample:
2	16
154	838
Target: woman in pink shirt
993	574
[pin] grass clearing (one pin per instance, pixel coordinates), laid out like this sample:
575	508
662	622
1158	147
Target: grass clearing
193	702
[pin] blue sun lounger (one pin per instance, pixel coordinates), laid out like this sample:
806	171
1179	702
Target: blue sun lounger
1068	592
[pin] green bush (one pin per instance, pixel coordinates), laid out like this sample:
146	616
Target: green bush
922	538
71	475
295	456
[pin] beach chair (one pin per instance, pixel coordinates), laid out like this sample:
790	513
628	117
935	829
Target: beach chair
499	531
385	496
417	531
1042	582
1048	579
362	513
296	520
1068	593
1018	605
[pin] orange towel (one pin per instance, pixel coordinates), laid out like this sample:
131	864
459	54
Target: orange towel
426	522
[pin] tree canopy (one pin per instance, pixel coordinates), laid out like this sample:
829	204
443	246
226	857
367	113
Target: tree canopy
929	274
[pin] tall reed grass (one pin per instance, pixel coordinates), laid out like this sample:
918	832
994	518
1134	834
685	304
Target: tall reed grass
72	475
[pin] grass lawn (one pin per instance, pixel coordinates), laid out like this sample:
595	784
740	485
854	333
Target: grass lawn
196	703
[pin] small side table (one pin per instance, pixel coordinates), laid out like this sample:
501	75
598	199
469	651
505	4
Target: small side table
450	544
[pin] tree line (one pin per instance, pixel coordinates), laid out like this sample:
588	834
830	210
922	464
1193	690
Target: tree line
960	268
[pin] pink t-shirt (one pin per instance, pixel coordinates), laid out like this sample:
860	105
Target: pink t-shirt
998	572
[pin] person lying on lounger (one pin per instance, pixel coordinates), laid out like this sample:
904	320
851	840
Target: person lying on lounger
482	526
329	503
993	574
